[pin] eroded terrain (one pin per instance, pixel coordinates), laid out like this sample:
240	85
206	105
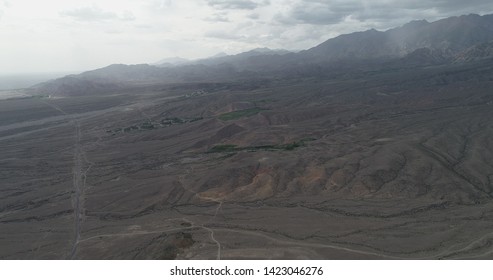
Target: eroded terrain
321	169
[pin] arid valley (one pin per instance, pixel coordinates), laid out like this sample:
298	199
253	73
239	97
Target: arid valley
359	168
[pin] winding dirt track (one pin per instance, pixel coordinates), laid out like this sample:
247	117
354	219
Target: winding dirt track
79	179
78	189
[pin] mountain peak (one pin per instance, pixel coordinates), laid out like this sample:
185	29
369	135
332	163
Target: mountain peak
261	50
416	23
172	61
220	54
266	51
450	36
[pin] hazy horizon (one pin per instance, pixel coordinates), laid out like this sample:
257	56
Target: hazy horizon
55	35
24	80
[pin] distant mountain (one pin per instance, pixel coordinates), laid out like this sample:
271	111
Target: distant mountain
450	36
242	59
217	55
222	58
426	56
117	76
172	61
476	52
266	51
418	43
105	79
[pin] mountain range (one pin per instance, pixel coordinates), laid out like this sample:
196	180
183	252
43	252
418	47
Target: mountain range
418	43
450	36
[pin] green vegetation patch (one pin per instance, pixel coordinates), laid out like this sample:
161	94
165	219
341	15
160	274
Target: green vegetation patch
147	126
264	101
175	120
154	124
240	114
280	147
223	149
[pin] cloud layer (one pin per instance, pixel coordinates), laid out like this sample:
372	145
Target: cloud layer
94	13
233	4
55	35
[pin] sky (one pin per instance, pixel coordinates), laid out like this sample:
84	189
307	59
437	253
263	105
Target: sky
69	35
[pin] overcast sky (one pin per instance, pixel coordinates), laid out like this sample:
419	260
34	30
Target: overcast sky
69	35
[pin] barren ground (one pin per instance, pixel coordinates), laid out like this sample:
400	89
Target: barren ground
334	169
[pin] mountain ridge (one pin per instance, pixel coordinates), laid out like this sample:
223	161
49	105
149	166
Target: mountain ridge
453	34
417	43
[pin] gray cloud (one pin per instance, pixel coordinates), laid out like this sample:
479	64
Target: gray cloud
315	12
383	11
3	6
127	16
233	4
218	17
223	35
318	12
94	13
442	6
253	16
